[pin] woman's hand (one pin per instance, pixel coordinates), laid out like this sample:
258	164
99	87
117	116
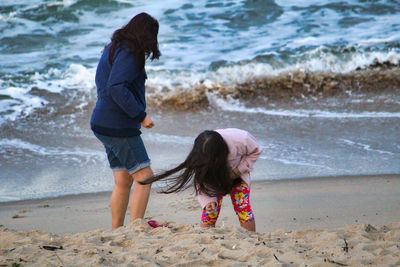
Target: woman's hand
147	122
211	207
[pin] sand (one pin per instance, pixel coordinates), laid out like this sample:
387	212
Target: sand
335	221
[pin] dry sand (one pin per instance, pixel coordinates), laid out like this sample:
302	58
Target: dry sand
341	221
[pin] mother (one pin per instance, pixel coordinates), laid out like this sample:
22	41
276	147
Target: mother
120	112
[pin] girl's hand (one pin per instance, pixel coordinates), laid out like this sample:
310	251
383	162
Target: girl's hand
147	122
235	173
211	207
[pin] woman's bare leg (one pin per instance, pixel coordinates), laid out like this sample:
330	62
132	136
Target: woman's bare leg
120	197
141	193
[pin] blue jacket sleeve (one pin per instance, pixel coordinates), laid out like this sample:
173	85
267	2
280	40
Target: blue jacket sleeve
124	70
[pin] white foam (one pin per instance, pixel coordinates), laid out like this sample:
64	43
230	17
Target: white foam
296	162
365	147
9	17
305	41
48	151
64	3
317	60
227	76
76	76
234	105
21	104
323	61
388	39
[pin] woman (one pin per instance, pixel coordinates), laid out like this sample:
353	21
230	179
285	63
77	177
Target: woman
120	112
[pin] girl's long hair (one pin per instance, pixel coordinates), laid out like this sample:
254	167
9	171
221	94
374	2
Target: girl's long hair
139	36
206	165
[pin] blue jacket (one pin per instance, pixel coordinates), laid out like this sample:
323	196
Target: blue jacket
121	103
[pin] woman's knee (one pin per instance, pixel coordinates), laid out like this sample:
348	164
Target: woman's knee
123	180
143	174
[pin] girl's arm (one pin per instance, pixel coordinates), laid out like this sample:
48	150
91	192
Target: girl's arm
249	150
204	199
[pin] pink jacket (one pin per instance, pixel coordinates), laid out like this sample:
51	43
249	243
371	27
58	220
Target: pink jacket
243	153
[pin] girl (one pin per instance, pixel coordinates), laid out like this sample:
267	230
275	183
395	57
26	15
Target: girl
219	163
120	112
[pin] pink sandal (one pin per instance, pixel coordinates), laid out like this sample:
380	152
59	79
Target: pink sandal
156	224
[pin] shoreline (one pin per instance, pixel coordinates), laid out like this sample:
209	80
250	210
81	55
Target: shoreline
290	204
154	188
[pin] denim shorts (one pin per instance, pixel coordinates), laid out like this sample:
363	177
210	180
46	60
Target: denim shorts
125	153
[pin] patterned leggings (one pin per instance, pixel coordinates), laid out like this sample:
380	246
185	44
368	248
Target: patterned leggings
240	197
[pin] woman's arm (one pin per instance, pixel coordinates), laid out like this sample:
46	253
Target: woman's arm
124	70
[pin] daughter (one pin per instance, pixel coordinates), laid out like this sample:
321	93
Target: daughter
219	164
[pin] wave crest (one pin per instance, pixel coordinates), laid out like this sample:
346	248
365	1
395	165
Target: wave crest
285	86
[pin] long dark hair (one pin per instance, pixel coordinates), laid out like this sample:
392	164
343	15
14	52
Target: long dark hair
206	164
139	36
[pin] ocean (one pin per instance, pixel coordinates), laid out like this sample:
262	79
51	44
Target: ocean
316	82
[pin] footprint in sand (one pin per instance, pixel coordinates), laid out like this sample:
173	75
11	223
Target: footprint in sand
24	211
16	216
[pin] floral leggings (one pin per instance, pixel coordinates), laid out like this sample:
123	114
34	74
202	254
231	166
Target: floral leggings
240	197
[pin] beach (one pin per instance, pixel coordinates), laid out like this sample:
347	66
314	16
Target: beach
321	221
317	83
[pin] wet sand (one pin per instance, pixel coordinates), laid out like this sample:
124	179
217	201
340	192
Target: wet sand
315	203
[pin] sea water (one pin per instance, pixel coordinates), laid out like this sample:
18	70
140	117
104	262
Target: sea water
316	82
